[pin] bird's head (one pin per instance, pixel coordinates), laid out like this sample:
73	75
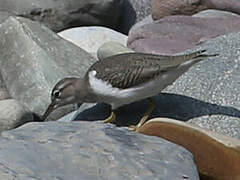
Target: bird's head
63	93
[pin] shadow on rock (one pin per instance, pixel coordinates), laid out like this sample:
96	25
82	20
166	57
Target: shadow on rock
173	106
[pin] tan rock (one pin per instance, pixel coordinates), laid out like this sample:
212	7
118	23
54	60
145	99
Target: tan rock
217	156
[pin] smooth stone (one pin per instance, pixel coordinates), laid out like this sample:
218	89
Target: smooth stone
86	150
162	8
111	48
59	15
33	59
13	114
132	12
212	13
175	34
217	156
91	38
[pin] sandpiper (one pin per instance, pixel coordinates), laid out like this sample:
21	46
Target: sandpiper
122	79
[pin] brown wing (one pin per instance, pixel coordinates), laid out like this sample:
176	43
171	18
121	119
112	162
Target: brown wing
125	71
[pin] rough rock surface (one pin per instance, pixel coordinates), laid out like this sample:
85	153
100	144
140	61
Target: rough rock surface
175	34
211	13
206	95
133	11
91	38
61	14
13	114
3	90
212	88
33	59
85	150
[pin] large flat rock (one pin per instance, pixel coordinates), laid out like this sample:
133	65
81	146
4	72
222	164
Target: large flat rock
33	59
83	150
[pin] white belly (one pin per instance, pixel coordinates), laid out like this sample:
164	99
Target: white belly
118	97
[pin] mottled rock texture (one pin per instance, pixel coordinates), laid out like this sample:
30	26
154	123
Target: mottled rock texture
175	34
162	8
84	150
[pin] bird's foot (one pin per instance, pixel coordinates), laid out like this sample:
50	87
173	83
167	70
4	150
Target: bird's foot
111	118
145	117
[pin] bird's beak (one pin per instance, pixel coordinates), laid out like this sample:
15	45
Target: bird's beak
50	108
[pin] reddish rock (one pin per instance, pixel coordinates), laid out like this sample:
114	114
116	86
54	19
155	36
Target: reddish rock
174	34
163	8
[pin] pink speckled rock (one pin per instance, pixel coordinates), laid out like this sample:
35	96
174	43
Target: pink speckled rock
174	34
162	8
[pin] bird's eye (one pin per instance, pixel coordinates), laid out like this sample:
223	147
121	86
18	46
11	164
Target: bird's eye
57	94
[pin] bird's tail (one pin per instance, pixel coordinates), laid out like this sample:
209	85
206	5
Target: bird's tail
199	55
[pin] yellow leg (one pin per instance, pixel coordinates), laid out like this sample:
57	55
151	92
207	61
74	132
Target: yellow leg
111	118
146	115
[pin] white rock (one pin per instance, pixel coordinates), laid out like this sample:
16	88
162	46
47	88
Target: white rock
91	38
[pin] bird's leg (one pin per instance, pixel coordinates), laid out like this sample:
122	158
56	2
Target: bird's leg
150	109
111	118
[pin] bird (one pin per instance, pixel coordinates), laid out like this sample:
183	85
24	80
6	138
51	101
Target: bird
122	79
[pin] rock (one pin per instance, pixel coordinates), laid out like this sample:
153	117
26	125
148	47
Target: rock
133	11
84	150
211	148
91	38
61	14
178	33
3	16
211	13
3	90
146	20
33	59
111	48
208	93
162	8
13	114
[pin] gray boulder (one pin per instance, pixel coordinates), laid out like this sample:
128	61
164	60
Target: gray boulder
33	59
82	151
61	14
208	94
175	34
3	16
13	114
